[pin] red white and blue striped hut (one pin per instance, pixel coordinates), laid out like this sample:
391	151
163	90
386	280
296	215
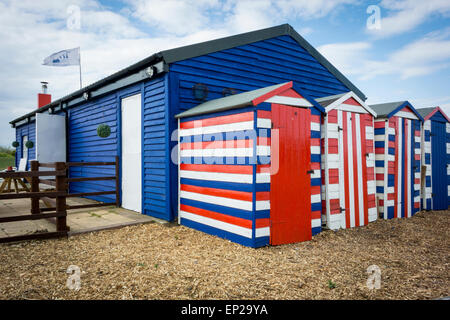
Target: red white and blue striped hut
436	157
397	159
348	162
249	166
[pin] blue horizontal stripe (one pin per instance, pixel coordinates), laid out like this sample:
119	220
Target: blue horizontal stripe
379	131
391	137
316	206
379	144
315	134
391	151
316	181
315	157
216	208
223	160
380	189
262	241
316	230
218	232
245	187
379	163
223	136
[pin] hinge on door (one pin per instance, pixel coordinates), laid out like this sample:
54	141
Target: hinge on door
310	172
339	129
432	195
341	209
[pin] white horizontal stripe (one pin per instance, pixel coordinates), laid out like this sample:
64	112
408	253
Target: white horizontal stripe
263	177
245	232
333	135
219	152
221	201
263	150
217	176
262	205
238	126
316	223
315	126
389	203
379	137
290	101
315	198
406	114
351	108
315	174
262	232
264	123
332	127
315	149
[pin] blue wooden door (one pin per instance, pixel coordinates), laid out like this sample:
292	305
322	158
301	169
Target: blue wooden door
439	165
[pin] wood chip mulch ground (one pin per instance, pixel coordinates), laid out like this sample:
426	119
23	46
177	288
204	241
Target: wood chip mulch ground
155	261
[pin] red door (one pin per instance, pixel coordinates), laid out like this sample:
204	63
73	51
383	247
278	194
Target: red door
290	190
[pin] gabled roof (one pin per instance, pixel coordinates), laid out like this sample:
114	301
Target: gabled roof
387	110
249	98
332	102
427	113
199	49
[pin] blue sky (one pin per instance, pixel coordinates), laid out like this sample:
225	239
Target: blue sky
406	58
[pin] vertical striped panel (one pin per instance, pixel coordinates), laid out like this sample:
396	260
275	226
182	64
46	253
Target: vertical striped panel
29	130
349	196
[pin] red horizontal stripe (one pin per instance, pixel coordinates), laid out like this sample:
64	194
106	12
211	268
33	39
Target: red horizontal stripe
272	93
352	102
217	144
233	118
315	118
263	168
264	141
315	190
391	196
315	142
262	223
262	195
417	133
217	216
332	142
316	215
417	157
379	150
230	194
264	114
416	205
379	124
417	181
379	176
222	168
315	165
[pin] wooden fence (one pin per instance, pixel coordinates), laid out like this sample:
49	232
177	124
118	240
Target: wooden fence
56	197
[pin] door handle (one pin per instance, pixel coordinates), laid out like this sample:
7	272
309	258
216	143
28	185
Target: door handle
310	172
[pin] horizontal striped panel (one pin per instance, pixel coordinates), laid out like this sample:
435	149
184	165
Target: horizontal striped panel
214	121
217	176
238	126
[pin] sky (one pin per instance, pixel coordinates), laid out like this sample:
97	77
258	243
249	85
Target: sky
391	50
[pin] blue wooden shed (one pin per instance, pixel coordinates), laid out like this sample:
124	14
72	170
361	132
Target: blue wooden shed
436	155
152	91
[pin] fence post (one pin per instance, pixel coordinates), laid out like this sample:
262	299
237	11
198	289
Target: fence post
61	222
34	167
117	183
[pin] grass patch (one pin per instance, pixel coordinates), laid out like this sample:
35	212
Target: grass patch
6	161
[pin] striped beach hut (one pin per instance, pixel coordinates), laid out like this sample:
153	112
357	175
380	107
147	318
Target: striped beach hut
348	162
436	155
397	159
249	166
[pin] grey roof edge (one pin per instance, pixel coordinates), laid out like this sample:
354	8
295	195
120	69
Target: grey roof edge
202	48
425	111
102	82
384	109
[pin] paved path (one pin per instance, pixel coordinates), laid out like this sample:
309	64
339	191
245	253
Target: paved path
79	221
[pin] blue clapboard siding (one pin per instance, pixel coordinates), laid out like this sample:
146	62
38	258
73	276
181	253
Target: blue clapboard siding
253	66
30	131
156	186
85	145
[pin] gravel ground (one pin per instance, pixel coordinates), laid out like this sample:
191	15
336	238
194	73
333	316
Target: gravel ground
155	261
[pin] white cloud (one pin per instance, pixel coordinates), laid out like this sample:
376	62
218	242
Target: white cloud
407	14
421	57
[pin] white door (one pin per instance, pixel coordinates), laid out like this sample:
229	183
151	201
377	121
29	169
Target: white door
131	153
24	147
50	138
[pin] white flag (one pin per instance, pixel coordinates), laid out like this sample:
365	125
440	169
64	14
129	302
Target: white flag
70	57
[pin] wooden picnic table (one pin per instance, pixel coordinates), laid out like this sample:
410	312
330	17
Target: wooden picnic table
5	187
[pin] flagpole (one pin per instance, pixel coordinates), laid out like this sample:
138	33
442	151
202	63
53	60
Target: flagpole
79	58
